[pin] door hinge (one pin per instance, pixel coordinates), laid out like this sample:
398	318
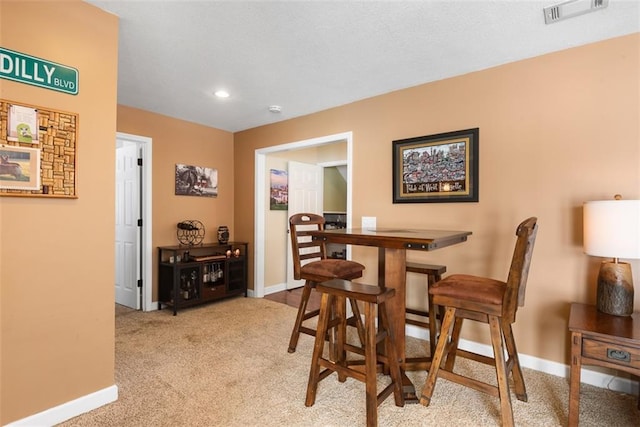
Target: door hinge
140	222
139	283
140	162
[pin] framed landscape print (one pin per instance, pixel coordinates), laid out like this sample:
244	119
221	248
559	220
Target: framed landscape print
278	192
436	168
19	168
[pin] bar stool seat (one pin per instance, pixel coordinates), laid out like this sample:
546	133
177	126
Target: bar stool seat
334	294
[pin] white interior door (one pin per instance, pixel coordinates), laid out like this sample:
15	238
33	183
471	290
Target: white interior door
305	195
127	245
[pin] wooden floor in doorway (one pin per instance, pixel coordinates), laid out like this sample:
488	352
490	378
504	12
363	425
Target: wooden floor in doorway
292	298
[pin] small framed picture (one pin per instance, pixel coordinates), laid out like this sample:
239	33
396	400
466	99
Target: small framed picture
196	181
279	192
19	168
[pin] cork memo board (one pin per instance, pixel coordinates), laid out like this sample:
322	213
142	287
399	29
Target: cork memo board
38	151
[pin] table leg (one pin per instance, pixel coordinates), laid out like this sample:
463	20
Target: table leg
574	384
392	274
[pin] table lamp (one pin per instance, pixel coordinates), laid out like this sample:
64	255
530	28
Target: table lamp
612	229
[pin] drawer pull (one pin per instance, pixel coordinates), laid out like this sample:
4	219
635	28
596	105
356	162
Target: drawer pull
618	355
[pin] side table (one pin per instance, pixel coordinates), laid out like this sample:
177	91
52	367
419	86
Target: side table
602	340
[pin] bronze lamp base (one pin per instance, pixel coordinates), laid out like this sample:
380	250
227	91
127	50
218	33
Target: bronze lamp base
615	289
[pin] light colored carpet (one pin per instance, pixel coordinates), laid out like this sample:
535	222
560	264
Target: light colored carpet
226	364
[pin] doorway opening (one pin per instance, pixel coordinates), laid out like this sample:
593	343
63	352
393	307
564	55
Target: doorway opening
261	188
140	255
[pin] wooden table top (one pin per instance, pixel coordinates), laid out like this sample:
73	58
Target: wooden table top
396	238
586	318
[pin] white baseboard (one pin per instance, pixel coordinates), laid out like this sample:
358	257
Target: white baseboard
275	288
587	376
68	410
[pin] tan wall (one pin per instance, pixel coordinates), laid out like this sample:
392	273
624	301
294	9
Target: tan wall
555	131
335	191
57	276
177	141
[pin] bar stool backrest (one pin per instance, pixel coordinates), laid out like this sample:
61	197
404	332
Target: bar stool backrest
303	247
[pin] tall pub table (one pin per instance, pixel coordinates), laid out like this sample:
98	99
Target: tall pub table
393	245
600	339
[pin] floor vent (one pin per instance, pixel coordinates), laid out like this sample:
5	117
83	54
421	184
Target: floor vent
571	8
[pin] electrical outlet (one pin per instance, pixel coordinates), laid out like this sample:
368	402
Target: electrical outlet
369	222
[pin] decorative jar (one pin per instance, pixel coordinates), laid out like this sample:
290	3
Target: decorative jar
223	234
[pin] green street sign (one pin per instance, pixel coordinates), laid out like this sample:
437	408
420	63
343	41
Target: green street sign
28	69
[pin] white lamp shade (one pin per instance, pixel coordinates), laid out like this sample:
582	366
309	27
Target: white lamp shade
612	228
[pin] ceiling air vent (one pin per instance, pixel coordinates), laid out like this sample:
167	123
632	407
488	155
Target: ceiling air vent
571	8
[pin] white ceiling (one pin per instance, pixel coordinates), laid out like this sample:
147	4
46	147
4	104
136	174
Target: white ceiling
308	56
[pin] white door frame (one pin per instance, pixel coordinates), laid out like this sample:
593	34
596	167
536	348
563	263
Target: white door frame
261	205
147	251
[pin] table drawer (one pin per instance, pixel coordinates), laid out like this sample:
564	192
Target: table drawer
617	354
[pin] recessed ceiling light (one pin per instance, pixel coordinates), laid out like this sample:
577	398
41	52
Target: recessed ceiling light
222	94
275	108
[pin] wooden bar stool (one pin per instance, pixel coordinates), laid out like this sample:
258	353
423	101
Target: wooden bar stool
310	263
489	301
334	294
434	274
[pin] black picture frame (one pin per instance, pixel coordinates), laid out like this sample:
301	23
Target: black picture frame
440	168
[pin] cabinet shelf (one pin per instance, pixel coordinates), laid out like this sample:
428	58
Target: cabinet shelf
192	275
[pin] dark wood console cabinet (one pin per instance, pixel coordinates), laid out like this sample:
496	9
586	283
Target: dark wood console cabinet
192	275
